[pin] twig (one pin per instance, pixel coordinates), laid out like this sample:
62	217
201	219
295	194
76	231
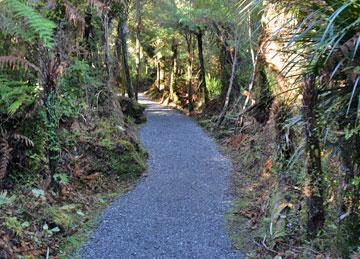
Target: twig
265	246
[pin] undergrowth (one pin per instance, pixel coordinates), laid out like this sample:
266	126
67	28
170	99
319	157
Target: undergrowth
95	158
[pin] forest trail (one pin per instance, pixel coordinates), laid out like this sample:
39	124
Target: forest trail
178	210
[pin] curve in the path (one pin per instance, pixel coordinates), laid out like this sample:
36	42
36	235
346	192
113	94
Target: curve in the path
178	210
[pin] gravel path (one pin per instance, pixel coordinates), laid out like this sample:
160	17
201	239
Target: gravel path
178	210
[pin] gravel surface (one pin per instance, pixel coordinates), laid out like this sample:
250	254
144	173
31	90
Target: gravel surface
178	210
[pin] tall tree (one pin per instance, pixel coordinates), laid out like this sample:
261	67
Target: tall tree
138	47
190	58
199	37
122	42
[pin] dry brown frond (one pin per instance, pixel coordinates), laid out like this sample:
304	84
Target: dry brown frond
14	62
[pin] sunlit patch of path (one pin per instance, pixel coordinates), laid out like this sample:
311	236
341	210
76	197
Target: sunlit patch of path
178	211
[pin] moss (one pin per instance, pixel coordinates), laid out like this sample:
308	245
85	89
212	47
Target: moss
125	159
61	216
237	224
13	224
133	109
68	246
120	157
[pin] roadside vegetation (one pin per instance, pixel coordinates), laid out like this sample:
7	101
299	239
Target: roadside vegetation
68	140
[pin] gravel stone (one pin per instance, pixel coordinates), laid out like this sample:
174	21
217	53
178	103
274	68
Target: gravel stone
178	210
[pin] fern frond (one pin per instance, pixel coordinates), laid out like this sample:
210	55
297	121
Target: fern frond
5	199
16	94
16	63
5	152
13	28
35	22
23	139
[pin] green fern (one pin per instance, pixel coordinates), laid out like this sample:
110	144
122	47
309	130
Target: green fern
15	94
5	199
11	27
35	23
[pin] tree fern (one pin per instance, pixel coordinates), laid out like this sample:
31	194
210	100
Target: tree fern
35	23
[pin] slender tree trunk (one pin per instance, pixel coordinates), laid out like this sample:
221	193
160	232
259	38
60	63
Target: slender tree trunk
138	48
254	60
316	213
227	98
224	59
107	58
173	70
158	71
114	105
49	72
190	57
162	74
122	37
48	82
88	35
205	92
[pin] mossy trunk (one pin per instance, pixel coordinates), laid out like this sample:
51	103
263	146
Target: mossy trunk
315	199
48	65
113	107
262	93
122	37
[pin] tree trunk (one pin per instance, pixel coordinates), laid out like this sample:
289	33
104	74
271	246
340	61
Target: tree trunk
158	70
88	35
227	98
48	66
112	101
205	92
225	60
138	48
316	213
190	57
107	58
162	74
173	70
122	37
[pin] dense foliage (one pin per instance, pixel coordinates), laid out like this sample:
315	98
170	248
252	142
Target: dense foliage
66	144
